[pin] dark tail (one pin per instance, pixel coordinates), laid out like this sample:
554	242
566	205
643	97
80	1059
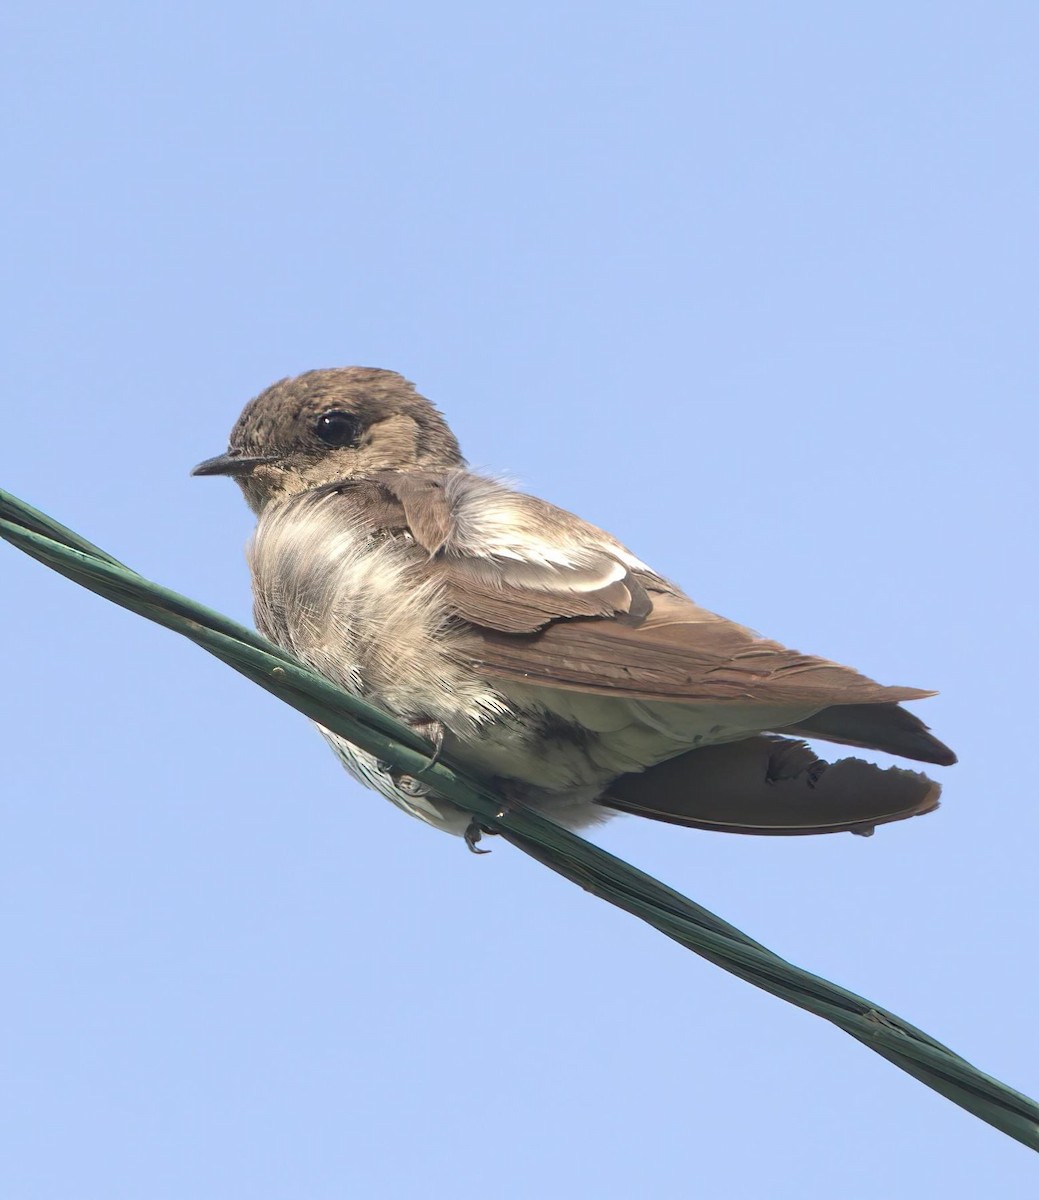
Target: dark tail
772	785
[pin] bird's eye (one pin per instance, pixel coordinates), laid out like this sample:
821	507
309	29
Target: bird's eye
337	428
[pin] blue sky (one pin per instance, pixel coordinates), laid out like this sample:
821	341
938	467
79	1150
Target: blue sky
752	286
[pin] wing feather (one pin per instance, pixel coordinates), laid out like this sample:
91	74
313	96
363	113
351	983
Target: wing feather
547	599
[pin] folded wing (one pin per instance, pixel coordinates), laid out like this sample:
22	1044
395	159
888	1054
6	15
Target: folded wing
545	599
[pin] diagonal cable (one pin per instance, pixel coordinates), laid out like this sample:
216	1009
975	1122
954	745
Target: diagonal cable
594	869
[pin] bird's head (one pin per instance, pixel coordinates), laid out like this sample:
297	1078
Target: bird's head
328	425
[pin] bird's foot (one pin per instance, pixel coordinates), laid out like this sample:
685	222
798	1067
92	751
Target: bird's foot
474	832
410	782
476	828
432	731
410	785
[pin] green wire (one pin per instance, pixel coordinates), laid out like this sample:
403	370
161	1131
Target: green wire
593	869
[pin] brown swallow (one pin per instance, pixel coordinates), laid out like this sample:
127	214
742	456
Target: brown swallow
533	647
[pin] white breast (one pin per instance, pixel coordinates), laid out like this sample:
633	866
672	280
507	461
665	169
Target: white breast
354	607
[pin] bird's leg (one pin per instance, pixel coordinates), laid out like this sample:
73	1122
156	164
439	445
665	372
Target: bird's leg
432	731
473	833
476	829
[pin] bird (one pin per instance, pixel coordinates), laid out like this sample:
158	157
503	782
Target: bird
530	647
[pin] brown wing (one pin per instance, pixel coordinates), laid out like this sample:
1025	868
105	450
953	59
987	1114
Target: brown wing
678	652
497	573
551	601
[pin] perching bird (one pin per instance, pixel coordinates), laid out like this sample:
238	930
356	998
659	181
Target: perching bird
531	646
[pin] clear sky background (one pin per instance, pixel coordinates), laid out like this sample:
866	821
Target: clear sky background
751	285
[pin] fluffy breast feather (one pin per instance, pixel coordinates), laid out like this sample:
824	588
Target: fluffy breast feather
353	601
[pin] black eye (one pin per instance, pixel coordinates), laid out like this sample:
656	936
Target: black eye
337	428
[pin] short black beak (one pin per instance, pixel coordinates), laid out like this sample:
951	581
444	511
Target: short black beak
232	464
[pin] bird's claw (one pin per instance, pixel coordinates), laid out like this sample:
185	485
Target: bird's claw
432	731
473	833
411	781
410	785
